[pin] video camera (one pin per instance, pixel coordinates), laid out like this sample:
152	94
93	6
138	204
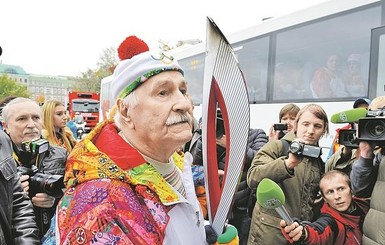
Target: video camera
280	126
302	149
371	127
38	182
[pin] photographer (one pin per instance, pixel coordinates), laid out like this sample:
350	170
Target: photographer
22	122
17	224
368	177
286	120
297	174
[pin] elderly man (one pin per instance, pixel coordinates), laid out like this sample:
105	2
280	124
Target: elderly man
125	182
22	122
17	224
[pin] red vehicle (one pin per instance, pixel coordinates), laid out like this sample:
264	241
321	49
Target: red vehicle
87	104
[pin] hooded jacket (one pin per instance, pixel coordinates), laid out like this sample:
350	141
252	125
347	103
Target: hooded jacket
299	186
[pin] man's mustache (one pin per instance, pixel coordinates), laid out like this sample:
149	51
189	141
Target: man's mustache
35	131
180	118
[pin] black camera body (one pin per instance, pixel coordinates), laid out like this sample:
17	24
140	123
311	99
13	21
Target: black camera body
302	149
32	152
348	137
372	129
280	126
51	184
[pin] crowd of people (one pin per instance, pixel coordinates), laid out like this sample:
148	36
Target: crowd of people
137	178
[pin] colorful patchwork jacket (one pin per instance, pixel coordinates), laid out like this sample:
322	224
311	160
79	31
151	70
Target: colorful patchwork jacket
114	197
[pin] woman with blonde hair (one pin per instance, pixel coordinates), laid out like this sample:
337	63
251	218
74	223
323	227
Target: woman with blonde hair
55	129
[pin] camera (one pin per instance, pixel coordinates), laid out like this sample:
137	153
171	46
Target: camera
302	149
372	129
35	146
280	126
348	137
39	182
32	152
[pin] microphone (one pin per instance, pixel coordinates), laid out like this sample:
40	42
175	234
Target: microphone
271	196
349	116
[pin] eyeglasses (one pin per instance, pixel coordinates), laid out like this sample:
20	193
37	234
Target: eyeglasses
166	59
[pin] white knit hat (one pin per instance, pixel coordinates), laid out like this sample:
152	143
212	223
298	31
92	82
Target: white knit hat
132	72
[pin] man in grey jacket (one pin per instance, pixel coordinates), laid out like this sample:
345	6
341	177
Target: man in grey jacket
368	180
17	224
22	122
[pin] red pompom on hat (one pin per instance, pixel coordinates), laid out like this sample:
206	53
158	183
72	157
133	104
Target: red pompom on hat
130	47
137	65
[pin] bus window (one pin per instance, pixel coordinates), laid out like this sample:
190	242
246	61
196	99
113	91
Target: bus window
309	46
193	73
253	57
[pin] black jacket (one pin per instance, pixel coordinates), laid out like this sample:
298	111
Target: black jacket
256	139
17	219
52	162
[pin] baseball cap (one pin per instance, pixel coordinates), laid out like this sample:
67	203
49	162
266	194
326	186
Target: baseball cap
359	101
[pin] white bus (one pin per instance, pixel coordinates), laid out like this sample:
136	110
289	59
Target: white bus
106	100
280	58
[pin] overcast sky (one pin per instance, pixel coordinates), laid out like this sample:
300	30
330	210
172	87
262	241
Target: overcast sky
51	37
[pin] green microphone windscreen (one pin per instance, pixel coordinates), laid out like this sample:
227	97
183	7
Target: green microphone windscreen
349	116
269	194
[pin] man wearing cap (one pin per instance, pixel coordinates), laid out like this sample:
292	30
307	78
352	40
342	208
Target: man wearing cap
344	156
368	178
126	184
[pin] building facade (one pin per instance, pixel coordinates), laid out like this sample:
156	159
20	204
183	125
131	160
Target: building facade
41	87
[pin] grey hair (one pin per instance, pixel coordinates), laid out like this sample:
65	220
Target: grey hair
130	101
4	113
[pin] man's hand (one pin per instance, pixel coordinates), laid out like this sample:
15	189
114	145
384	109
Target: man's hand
228	237
221	141
293	159
366	149
346	151
43	200
291	232
24	182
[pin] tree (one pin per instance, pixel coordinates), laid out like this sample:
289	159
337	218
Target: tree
90	79
9	87
40	99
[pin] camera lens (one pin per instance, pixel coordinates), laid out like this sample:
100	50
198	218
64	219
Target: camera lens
295	147
50	184
376	128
